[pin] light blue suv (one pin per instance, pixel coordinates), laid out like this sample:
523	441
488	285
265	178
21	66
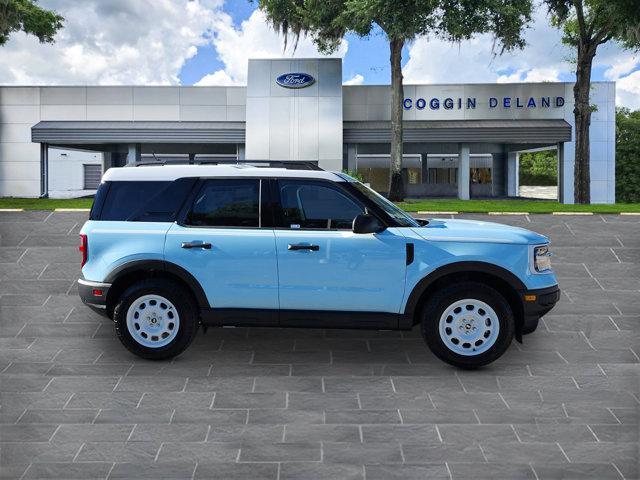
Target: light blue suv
170	248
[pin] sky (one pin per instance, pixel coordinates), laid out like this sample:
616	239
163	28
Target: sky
208	42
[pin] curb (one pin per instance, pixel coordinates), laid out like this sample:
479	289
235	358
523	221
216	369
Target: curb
508	213
72	210
630	213
11	209
571	213
430	212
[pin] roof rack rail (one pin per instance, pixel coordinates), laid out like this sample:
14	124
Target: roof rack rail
286	164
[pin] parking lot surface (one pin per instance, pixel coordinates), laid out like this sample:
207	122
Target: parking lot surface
295	403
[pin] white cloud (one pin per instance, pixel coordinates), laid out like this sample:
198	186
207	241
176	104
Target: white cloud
531	75
357	79
114	42
621	70
219	77
628	91
253	39
622	65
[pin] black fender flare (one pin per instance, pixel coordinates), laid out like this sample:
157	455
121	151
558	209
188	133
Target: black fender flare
458	267
162	266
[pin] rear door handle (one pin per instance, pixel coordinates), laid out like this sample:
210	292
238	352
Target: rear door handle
303	246
196	244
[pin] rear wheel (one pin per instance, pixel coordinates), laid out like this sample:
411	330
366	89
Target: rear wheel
156	319
467	324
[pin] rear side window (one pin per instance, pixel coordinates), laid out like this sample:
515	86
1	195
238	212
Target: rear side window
141	201
226	203
124	198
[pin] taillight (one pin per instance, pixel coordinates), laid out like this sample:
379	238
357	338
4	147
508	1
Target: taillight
84	248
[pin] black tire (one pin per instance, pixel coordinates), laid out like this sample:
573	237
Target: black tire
530	327
184	304
444	298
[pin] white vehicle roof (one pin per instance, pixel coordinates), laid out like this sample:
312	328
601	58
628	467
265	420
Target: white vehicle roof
173	172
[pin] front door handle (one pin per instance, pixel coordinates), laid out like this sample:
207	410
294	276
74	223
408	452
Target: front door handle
303	246
197	244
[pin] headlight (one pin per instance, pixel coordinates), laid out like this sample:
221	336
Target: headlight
542	259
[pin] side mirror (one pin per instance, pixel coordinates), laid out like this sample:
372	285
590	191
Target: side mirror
367	224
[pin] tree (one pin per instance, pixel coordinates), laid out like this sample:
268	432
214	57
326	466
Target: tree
587	24
627	156
28	17
327	21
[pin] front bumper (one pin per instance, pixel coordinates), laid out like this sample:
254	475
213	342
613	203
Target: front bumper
535	303
94	294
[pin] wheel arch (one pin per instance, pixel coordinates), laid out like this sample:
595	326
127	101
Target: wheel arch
128	273
499	278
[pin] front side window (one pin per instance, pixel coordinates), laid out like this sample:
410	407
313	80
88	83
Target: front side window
226	203
316	206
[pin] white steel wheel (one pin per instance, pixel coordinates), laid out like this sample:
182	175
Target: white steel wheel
469	327
153	321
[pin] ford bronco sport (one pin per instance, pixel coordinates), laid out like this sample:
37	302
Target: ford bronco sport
170	248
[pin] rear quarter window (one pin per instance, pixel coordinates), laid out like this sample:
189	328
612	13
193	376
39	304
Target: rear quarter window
146	201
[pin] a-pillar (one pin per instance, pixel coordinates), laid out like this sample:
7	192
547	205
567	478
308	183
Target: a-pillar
513	167
133	156
463	171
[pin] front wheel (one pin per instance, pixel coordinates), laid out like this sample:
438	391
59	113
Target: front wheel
468	324
156	319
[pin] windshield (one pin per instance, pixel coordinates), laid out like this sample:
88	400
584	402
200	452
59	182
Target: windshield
399	215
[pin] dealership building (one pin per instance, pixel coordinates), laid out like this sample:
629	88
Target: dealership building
460	140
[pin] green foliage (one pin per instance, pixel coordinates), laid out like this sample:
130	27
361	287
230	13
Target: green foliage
627	155
327	21
539	168
28	17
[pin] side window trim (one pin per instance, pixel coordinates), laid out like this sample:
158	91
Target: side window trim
279	223
181	218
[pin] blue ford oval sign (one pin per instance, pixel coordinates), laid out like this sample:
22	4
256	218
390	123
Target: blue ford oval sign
295	80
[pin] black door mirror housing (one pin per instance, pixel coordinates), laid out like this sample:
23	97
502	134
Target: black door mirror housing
365	223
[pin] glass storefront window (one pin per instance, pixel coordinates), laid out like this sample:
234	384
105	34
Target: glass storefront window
378	178
443	175
480	175
414	175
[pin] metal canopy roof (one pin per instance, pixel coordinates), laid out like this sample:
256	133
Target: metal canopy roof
477	131
434	131
137	132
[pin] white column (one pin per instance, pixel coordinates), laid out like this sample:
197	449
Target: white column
463	171
562	176
133	154
513	166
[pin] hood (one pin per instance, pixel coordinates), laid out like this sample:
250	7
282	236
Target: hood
477	232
